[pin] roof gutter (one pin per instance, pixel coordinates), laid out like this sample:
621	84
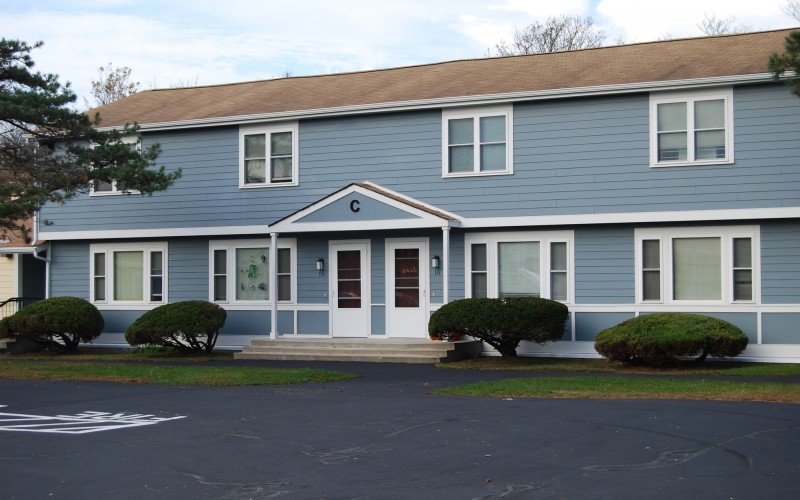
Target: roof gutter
446	102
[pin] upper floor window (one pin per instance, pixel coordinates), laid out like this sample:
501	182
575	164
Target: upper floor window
477	141
520	264
697	265
268	155
128	273
691	128
100	188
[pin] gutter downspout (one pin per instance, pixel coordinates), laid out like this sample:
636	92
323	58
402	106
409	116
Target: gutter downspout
36	255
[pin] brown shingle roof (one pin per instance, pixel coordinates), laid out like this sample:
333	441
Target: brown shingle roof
690	58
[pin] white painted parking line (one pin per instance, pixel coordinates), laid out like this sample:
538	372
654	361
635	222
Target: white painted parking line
81	423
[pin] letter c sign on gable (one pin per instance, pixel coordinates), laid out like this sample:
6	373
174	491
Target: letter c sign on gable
354	206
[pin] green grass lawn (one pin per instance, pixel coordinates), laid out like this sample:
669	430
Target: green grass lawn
143	373
606	366
610	387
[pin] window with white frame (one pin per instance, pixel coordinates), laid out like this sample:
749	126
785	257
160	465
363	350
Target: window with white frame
268	155
239	271
128	274
520	264
697	265
102	188
477	141
691	128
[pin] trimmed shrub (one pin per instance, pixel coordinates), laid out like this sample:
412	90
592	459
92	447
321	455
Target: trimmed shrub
656	339
5	328
61	323
501	323
190	326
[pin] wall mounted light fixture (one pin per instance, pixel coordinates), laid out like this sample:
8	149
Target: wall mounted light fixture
321	266
435	262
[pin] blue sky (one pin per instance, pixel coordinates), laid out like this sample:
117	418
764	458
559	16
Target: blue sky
208	42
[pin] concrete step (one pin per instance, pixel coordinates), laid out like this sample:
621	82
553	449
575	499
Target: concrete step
385	351
371	358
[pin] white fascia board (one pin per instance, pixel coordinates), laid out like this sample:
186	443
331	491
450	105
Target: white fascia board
445	102
634	217
435	222
10	250
374	225
156	233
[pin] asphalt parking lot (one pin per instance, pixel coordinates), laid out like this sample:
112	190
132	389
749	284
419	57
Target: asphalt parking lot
383	436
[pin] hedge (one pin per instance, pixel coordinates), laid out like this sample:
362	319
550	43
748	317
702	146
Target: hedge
657	339
60	322
190	326
501	323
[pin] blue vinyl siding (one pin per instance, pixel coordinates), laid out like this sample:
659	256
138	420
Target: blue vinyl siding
69	271
311	287
571	156
604	265
588	325
188	269
780	262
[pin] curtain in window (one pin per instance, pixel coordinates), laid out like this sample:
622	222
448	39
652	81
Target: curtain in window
696	269
518	269
128	275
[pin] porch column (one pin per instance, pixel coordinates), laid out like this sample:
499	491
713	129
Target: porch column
445	264
273	284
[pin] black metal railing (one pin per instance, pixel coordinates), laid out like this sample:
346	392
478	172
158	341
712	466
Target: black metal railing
14	304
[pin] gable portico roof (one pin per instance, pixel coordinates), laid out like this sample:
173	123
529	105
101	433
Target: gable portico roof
642	66
382	209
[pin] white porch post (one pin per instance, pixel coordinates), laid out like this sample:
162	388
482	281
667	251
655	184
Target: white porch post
445	264
273	284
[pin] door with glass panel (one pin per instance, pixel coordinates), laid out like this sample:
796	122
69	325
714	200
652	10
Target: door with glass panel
406	288
350	289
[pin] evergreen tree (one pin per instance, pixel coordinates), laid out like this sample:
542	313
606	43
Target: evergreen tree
50	153
781	65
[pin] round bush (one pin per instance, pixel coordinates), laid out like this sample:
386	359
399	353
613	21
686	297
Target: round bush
190	326
60	322
501	323
656	339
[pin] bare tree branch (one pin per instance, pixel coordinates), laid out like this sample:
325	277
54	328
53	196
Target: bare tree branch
792	9
712	25
112	84
554	35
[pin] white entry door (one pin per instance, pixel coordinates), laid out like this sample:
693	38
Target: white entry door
407	287
350	289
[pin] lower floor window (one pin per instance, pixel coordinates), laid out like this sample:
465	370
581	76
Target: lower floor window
128	273
240	271
696	264
520	264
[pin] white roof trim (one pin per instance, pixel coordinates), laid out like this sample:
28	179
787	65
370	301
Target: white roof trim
742	214
734	214
457	101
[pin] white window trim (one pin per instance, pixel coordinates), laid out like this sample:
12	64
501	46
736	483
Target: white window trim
475	114
545	238
657	98
146	248
270	129
230	247
726	235
128	139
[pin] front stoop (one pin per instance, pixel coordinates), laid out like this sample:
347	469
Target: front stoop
361	350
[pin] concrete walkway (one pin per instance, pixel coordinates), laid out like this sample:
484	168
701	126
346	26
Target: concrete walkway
384	436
